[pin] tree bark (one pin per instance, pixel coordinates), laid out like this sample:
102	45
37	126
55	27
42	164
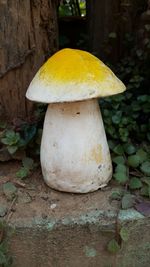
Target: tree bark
102	19
108	23
28	36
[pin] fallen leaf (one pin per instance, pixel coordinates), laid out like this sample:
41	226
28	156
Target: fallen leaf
144	208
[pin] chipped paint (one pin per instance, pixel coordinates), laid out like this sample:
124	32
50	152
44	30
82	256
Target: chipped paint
50	225
94	155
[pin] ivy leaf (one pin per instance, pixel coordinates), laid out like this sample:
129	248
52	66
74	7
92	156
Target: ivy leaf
28	163
112	35
118	149
129	149
144	208
124	133
127	201
11	138
119	160
135	183
111	144
113	246
134	161
142	155
22	173
145	191
9	189
29	133
2	258
116	119
142	98
12	149
124	234
116	195
145	167
121	168
121	177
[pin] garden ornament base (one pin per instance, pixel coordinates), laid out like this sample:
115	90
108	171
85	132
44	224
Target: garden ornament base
74	151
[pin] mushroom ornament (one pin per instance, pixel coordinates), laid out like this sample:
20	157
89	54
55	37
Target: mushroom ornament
74	152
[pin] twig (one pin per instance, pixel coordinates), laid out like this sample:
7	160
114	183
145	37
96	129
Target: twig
19	183
9	212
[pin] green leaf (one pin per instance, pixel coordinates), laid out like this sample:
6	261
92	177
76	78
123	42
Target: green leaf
116	119
29	133
116	195
142	98
121	177
124	234
124	133
134	161
9	190
129	149
118	150
113	246
121	168
12	149
11	138
111	144
22	173
28	163
4	141
142	155
119	160
112	35
145	167
145	191
2	258
135	183
127	201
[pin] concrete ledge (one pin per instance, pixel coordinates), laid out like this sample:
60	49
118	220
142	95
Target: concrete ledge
65	230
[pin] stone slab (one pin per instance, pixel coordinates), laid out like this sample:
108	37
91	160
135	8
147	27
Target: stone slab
71	230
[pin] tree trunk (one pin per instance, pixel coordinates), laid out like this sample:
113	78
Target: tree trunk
102	16
108	23
28	36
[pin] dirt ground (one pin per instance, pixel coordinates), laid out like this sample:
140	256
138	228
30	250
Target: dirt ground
33	198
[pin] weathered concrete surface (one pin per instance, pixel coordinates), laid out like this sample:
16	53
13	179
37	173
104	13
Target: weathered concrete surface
66	230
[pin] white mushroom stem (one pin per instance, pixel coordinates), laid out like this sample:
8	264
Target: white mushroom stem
74	151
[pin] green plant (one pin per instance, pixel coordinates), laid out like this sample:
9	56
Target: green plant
5	259
12	140
126	117
132	167
114	245
27	166
127	121
23	135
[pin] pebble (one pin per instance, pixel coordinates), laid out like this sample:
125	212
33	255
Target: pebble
53	206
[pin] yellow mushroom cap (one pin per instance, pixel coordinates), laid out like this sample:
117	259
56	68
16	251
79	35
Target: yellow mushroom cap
73	75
